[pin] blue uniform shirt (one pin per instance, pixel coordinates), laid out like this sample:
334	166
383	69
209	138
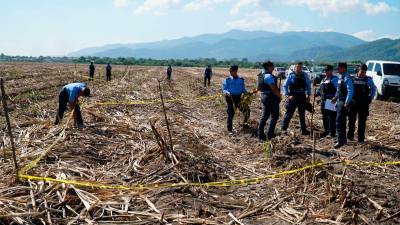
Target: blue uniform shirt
234	86
269	79
348	81
335	82
372	87
73	90
290	80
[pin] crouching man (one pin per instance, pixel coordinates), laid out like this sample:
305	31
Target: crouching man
69	96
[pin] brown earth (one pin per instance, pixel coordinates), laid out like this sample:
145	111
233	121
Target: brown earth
118	146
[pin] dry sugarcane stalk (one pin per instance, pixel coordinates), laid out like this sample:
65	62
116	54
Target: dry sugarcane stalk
9	129
166	118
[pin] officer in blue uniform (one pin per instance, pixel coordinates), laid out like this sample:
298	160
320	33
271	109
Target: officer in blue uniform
69	97
108	72
327	90
91	70
364	92
169	72
344	94
270	98
234	88
207	75
296	86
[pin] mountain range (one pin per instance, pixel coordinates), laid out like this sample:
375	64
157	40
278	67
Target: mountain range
255	46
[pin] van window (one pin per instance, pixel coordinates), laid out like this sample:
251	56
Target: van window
378	68
370	66
391	69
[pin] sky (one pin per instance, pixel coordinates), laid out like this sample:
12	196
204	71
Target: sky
58	27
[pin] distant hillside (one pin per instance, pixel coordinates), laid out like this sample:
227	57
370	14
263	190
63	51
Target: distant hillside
254	45
382	49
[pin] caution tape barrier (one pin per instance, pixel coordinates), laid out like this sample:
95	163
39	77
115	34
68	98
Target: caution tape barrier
149	102
227	183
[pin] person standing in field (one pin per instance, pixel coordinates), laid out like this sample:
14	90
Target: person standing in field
327	91
343	97
169	72
69	97
270	98
296	87
108	72
91	70
207	75
233	88
364	92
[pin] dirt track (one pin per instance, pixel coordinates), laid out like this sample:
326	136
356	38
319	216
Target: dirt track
118	147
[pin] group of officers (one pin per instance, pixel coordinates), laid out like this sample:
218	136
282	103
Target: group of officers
350	97
207	74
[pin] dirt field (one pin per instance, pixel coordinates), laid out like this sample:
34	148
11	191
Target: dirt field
120	145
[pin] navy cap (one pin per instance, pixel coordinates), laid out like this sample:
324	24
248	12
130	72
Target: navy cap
329	68
234	67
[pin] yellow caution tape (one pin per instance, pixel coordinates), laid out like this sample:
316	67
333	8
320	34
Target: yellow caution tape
227	183
148	102
34	162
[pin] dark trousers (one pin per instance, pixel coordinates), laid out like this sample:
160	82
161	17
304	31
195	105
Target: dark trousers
108	76
169	76
329	120
341	120
233	103
362	111
207	80
91	75
299	101
62	107
270	108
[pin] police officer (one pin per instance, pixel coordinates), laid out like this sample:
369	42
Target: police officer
108	72
364	92
270	98
169	72
91	70
69	96
344	94
327	90
207	75
233	88
296	86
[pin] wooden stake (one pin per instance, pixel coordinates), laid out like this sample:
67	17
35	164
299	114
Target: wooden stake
313	149
165	116
3	94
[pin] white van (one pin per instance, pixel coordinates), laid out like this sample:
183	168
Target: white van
386	77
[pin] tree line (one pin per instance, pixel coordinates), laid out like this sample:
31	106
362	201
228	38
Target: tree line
243	63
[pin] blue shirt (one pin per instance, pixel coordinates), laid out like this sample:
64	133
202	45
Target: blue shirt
372	87
269	79
334	80
348	81
290	80
73	90
234	86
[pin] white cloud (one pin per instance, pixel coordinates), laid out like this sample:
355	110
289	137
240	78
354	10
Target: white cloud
120	3
380	7
243	3
367	35
260	20
156	7
197	5
327	7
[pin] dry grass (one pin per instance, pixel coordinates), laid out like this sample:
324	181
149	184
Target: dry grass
118	146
